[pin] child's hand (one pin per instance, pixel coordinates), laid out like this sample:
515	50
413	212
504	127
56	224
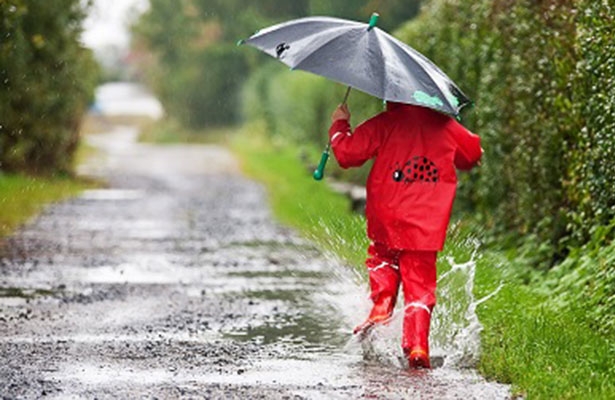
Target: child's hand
341	112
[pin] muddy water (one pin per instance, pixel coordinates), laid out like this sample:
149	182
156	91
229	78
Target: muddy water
175	282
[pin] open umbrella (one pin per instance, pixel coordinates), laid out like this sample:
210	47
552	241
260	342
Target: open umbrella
363	57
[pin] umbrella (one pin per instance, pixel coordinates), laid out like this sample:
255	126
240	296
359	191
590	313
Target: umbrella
363	57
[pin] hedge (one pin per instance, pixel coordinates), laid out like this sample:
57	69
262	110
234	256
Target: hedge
46	81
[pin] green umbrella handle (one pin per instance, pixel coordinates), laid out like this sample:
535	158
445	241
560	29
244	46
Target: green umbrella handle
320	171
346	95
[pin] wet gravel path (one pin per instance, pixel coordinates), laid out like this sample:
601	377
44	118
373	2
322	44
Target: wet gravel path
175	282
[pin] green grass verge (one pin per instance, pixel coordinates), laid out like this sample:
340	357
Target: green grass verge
543	353
22	197
300	201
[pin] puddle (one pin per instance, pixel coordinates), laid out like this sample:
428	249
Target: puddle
111	194
455	328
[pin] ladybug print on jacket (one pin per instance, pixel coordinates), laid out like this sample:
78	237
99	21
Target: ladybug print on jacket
419	169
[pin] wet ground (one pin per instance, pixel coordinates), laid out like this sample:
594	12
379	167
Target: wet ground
175	282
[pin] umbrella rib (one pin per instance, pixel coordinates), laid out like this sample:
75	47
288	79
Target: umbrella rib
302	21
383	77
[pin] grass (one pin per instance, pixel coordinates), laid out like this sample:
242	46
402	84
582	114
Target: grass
22	197
300	201
543	353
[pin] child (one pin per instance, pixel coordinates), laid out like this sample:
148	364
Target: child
410	193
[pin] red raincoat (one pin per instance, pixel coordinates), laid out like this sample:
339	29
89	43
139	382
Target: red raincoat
412	184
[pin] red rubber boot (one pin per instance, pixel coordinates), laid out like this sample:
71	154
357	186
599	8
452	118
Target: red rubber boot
416	335
418	275
384	284
381	312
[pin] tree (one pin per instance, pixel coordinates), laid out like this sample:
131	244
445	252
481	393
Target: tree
47	79
199	70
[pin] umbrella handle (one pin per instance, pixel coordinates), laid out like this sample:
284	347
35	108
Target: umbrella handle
346	95
319	173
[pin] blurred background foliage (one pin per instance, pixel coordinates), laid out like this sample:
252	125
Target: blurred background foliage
198	71
47	79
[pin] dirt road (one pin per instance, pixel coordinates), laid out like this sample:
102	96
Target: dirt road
175	282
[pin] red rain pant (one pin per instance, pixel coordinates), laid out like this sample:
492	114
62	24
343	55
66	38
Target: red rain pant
417	272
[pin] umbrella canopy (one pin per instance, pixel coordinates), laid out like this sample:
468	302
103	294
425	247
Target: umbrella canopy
363	57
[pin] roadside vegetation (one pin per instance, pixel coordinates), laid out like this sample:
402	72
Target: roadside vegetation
47	79
23	196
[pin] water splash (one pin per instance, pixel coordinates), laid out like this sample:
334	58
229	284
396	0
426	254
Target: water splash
455	327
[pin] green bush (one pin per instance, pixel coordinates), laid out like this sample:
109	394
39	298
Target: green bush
592	164
46	81
204	92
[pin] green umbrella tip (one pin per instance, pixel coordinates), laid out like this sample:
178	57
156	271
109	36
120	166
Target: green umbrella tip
373	21
240	42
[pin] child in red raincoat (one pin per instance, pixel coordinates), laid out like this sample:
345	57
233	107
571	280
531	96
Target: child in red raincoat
410	193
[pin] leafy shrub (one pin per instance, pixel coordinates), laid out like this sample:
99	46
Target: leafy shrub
204	92
46	81
592	164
